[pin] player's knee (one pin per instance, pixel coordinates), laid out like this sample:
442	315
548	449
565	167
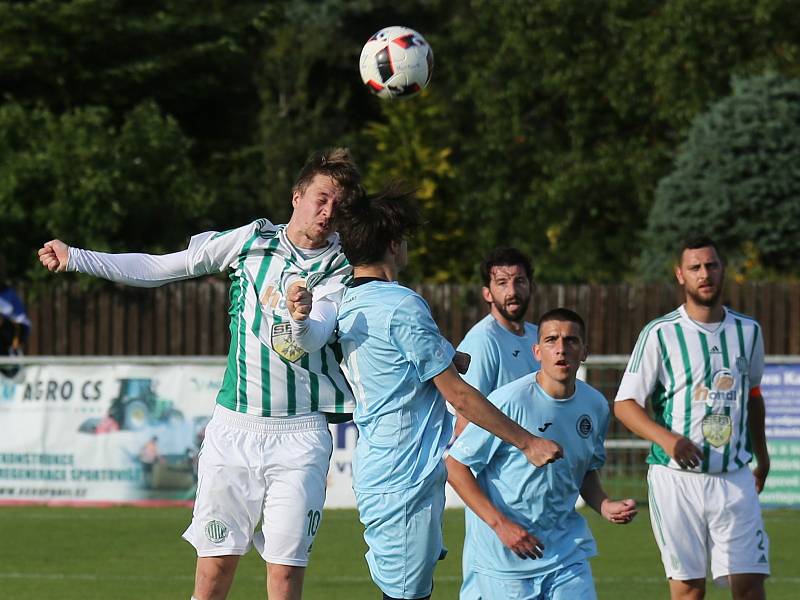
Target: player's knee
284	581
214	577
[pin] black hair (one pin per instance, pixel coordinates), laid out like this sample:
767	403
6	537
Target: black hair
563	314
504	257
694	242
368	223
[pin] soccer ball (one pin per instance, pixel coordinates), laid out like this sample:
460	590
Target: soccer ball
396	62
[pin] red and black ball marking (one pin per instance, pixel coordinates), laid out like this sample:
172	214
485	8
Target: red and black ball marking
429	60
405	41
384	62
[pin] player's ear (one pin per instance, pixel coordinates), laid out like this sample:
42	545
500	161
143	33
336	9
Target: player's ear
487	295
296	195
679	274
537	351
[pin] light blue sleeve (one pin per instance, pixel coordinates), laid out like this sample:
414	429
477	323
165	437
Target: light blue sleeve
415	335
483	365
599	455
475	447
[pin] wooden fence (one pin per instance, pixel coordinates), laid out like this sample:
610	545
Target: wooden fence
190	318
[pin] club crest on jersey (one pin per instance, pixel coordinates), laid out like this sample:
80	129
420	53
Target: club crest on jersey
717	429
584	426
742	365
283	343
723	389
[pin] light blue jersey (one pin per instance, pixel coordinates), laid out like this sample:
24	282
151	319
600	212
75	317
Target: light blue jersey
498	356
540	499
392	350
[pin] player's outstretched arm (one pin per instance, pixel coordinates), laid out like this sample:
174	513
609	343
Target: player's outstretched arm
620	512
756	414
54	256
517	539
470	403
680	448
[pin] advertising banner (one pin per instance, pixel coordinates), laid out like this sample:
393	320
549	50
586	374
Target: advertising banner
780	386
103	433
122	432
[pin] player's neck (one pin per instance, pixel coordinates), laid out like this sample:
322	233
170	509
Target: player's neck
704	314
515	327
300	239
560	390
378	270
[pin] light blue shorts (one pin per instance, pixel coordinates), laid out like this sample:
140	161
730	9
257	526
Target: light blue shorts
403	530
568	583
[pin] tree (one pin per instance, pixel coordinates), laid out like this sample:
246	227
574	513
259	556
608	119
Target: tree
737	179
80	177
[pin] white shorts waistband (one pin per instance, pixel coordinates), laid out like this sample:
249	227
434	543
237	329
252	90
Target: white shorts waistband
309	422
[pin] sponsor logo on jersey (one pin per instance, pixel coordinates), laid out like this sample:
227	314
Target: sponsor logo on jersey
723	389
216	531
544	427
272	298
584	426
717	429
515	353
283	343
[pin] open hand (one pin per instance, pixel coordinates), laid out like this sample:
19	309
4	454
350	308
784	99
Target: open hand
517	539
685	453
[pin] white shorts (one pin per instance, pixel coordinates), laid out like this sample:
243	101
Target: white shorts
699	515
268	469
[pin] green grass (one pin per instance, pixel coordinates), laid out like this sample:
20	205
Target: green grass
135	553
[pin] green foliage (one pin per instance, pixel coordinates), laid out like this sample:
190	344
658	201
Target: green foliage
737	178
547	124
79	177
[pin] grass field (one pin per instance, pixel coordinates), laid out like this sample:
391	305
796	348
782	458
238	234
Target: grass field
136	553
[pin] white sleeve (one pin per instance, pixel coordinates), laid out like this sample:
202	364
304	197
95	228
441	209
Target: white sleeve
209	252
141	270
312	333
641	375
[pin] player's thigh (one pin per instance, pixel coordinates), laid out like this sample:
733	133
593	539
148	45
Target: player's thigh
677	516
571	582
738	540
230	492
296	484
403	531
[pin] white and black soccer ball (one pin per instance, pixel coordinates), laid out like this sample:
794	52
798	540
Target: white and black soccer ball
396	62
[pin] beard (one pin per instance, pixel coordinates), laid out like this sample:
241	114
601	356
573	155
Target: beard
519	312
705	300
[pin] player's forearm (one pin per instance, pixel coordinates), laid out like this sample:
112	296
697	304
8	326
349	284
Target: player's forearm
474	407
141	270
639	422
461	479
312	333
592	491
756	415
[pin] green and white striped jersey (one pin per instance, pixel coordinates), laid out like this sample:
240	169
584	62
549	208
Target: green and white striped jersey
267	373
699	380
